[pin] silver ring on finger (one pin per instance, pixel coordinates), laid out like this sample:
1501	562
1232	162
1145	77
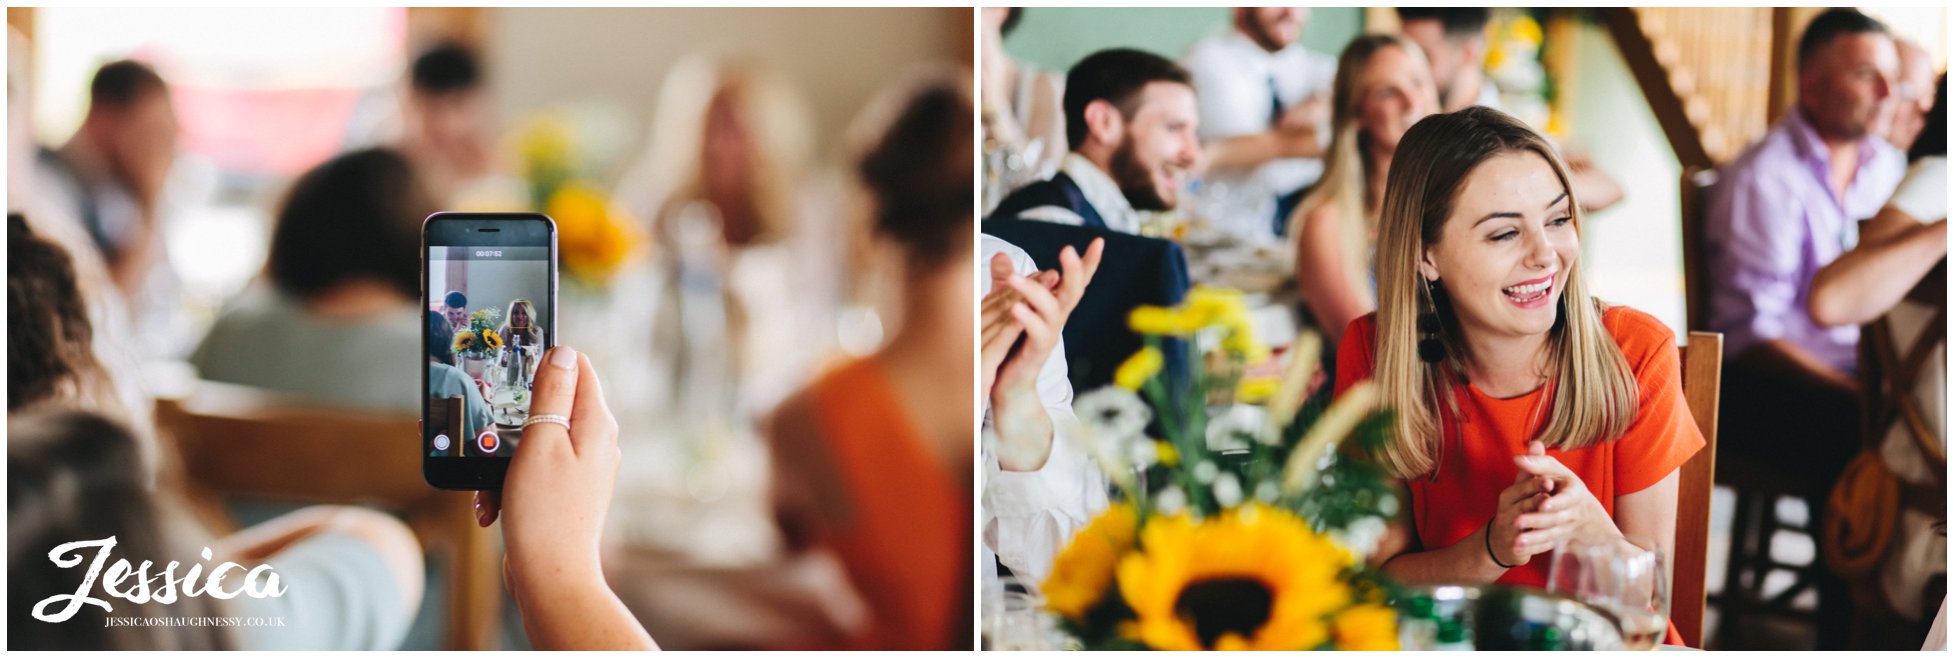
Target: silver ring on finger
551	419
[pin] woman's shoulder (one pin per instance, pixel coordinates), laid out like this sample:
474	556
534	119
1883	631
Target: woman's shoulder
1636	331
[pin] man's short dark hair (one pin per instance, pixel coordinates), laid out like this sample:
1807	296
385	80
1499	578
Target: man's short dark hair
1115	76
121	83
1832	24
446	68
1460	23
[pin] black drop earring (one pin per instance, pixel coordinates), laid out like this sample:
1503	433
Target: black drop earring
1430	348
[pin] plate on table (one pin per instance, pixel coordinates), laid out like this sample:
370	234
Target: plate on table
1517	618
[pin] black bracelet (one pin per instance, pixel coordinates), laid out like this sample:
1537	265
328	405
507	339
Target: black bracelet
1489	546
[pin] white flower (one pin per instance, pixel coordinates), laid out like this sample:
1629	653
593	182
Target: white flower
1267	492
1361	536
1112	423
1234	428
1227	490
1113	413
1170	500
1205	472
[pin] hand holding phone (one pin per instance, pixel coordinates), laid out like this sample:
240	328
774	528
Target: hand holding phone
489	287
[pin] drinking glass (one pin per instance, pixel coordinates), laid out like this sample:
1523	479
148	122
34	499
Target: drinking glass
1627	577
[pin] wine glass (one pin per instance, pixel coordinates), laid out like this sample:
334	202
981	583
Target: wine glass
1627	577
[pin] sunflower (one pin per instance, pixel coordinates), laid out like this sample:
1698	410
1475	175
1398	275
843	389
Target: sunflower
1255	577
1083	572
1367	627
492	340
464	341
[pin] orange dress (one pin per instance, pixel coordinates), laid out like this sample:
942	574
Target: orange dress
1477	463
908	543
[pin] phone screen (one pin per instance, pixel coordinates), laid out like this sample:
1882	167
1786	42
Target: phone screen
490	320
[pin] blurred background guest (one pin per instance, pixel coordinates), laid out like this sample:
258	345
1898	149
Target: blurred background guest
1024	123
1382	87
1264	103
1912	98
873	461
112	172
1454	42
335	310
1784	209
446	116
1130	121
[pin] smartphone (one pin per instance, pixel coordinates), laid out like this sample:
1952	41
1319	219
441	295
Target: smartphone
488	284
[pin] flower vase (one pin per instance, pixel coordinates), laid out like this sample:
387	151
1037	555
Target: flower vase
473	365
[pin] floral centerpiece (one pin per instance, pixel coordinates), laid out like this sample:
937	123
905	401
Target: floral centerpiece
595	238
1235	528
480	340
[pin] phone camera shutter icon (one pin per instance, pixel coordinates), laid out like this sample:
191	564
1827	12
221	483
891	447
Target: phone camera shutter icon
441	442
488	441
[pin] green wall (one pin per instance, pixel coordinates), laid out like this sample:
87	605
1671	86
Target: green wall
1053	38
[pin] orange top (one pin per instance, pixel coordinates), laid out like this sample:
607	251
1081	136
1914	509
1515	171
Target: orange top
908	542
1475	466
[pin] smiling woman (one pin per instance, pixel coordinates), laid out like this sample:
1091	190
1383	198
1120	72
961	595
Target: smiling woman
1528	413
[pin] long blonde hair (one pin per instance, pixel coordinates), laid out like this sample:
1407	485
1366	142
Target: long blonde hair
535	329
1345	185
671	171
1594	391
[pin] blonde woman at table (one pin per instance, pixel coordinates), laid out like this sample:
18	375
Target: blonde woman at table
1528	412
1382	87
519	325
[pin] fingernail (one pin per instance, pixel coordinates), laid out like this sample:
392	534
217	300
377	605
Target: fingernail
564	358
481	517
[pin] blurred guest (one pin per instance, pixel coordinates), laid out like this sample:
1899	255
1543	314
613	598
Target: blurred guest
111	173
446	120
873	461
445	380
1263	102
744	276
343	274
1039	487
1021	103
1528	413
1785	208
1890	276
1382	88
1130	120
352	577
50	338
1912	97
1454	41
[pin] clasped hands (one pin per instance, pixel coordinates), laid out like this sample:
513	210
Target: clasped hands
1022	318
1546	506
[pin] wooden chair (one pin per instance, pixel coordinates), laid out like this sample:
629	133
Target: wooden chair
235	441
1702	364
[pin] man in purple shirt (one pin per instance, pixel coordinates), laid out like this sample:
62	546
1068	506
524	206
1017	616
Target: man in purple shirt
1785	208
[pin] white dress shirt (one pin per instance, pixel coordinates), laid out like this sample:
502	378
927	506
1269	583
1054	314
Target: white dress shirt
1099	190
1233	80
1029	516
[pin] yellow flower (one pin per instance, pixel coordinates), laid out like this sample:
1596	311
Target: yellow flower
1256	390
1527	30
1139	368
1168	454
491	339
594	238
1083	572
1255	577
1367	627
464	341
1161	321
